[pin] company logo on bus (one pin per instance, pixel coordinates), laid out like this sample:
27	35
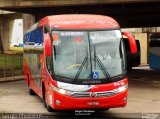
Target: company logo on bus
93	95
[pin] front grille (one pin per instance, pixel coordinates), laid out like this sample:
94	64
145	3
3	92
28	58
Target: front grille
96	94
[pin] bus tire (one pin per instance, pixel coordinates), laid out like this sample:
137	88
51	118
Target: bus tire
28	79
49	108
107	109
31	92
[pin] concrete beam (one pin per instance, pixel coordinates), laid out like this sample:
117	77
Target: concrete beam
12	15
47	3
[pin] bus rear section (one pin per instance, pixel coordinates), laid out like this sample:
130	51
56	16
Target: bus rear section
82	63
154	51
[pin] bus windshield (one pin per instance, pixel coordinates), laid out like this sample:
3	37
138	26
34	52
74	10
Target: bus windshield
88	55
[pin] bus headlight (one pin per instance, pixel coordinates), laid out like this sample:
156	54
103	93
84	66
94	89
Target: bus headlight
122	88
61	91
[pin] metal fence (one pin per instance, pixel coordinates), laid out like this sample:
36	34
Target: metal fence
11	65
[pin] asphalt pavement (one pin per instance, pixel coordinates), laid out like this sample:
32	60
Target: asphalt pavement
143	99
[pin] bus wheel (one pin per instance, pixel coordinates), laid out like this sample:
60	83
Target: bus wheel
107	109
31	92
49	108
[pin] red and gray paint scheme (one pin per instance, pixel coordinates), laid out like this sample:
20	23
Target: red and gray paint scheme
77	62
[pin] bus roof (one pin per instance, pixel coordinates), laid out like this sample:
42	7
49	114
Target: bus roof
79	21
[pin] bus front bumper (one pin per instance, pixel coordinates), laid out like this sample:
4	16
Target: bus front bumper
63	102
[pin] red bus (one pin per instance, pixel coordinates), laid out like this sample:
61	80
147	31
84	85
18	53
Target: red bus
77	62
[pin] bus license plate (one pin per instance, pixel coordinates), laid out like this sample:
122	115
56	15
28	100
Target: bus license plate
93	103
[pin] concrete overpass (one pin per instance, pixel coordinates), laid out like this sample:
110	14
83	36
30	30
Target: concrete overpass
6	27
129	13
47	3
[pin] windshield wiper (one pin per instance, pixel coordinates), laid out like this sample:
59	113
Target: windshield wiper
104	70
81	67
102	67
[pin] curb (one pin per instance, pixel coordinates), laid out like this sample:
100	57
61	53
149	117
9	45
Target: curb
11	79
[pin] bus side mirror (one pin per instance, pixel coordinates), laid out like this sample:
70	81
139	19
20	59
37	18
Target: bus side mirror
47	44
132	42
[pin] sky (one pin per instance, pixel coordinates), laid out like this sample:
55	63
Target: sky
17	32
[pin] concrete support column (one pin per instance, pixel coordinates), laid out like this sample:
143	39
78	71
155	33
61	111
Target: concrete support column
142	37
28	21
6	27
